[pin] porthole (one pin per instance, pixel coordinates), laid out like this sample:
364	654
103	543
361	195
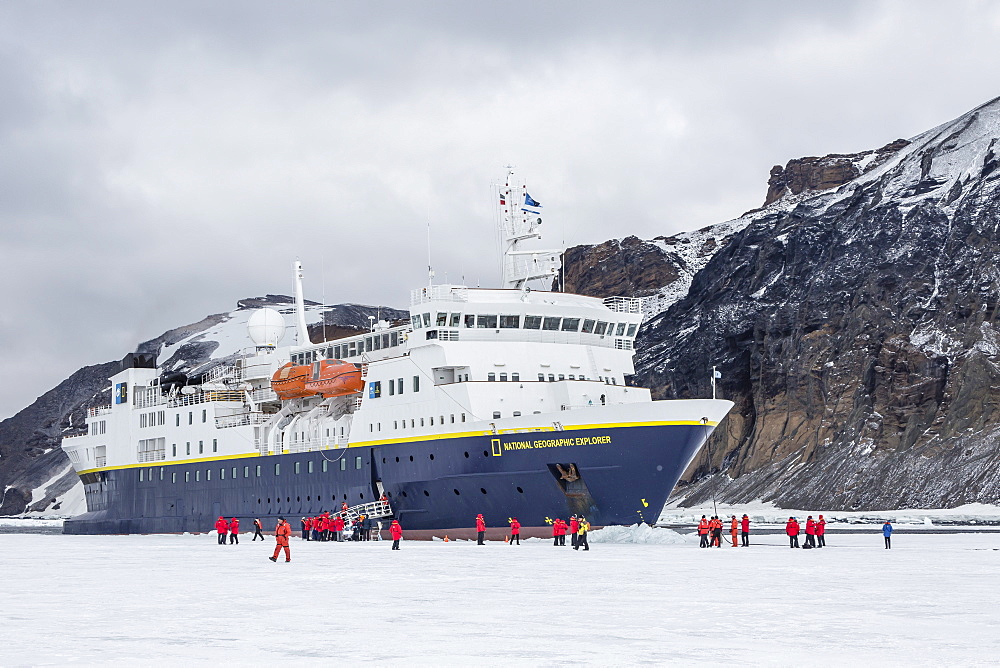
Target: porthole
309	498
486	453
466	455
345	497
457	493
432	457
404	494
361	496
426	493
298	499
288	499
520	491
258	501
383	460
269	501
397	460
482	489
411	458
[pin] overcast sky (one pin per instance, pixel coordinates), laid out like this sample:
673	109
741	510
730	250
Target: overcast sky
159	161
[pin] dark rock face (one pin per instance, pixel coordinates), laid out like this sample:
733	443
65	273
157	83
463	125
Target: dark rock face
628	266
818	174
29	441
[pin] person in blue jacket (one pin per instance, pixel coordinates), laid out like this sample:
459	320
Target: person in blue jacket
887	534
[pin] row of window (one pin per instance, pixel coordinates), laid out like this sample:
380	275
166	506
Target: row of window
98	427
201	447
546	323
196	475
152	419
393	385
401	424
350	348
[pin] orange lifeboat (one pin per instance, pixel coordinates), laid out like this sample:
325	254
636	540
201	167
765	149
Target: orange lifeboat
289	382
335	378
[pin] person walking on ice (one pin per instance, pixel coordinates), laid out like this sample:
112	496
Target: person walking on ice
515	531
234	531
887	534
281	534
222	527
745	530
396	532
258	530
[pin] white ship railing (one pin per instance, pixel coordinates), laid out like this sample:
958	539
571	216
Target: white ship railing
306	444
100	461
263	394
439	293
223	372
98	410
241	420
152	456
624	304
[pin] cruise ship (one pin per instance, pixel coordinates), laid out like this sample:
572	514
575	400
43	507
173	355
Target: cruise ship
507	402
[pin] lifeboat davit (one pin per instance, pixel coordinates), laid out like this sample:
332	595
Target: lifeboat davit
329	378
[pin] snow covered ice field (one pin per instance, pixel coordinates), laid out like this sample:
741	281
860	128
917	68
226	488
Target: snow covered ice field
931	600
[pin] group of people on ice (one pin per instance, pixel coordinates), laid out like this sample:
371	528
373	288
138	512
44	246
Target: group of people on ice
232	529
815	532
710	531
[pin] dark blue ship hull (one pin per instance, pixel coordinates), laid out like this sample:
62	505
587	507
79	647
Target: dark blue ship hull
614	475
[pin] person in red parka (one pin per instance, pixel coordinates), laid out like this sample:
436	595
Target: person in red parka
703	528
733	528
480	530
307	524
338	528
396	532
716	525
556	530
745	530
281	534
515	531
574	526
810	532
222	526
234	531
821	532
792	529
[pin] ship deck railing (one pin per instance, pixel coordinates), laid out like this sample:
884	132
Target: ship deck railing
241	420
304	445
373	510
625	304
201	397
94	411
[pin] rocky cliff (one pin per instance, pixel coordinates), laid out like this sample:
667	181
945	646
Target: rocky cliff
855	324
34	471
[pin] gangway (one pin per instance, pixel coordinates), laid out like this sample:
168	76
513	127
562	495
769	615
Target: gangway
373	510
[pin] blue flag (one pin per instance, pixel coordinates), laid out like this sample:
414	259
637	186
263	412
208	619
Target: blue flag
530	202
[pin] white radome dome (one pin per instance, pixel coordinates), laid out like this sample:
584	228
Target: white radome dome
266	327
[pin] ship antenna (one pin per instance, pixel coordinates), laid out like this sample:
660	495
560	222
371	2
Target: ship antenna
300	306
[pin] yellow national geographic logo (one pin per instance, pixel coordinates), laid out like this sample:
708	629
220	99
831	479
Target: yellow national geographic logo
553	443
497	450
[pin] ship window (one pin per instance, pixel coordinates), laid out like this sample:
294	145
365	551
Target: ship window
457	493
351	349
190	417
441	320
208	474
187	476
258	470
491	377
532	322
415	319
298	467
161	473
571	377
486	321
178	416
496	415
173	476
427	319
187	447
357	463
395	424
551	324
517	413
541	378
453	418
510	321
601	328
392	388
399	385
432	420
562	377
343	464
416	383
324	466
222	474
463	417
141	476
621	329
377	340
421	422
173	450
277	469
201	447
393	338
570	324
552	378
631	329
426	493
456	320
204	415
470	320
588	326
516	377
215	445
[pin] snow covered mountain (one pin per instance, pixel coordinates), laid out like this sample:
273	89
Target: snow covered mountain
36	475
854	319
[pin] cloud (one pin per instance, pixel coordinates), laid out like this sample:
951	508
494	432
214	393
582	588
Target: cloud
162	160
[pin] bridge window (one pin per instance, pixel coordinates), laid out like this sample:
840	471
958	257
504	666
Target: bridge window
631	329
562	377
415	320
456	320
621	329
588	326
570	324
551	324
441	320
486	322
470	321
510	321
532	322
601	328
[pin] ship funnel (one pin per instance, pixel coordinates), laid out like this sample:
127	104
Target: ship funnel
300	306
